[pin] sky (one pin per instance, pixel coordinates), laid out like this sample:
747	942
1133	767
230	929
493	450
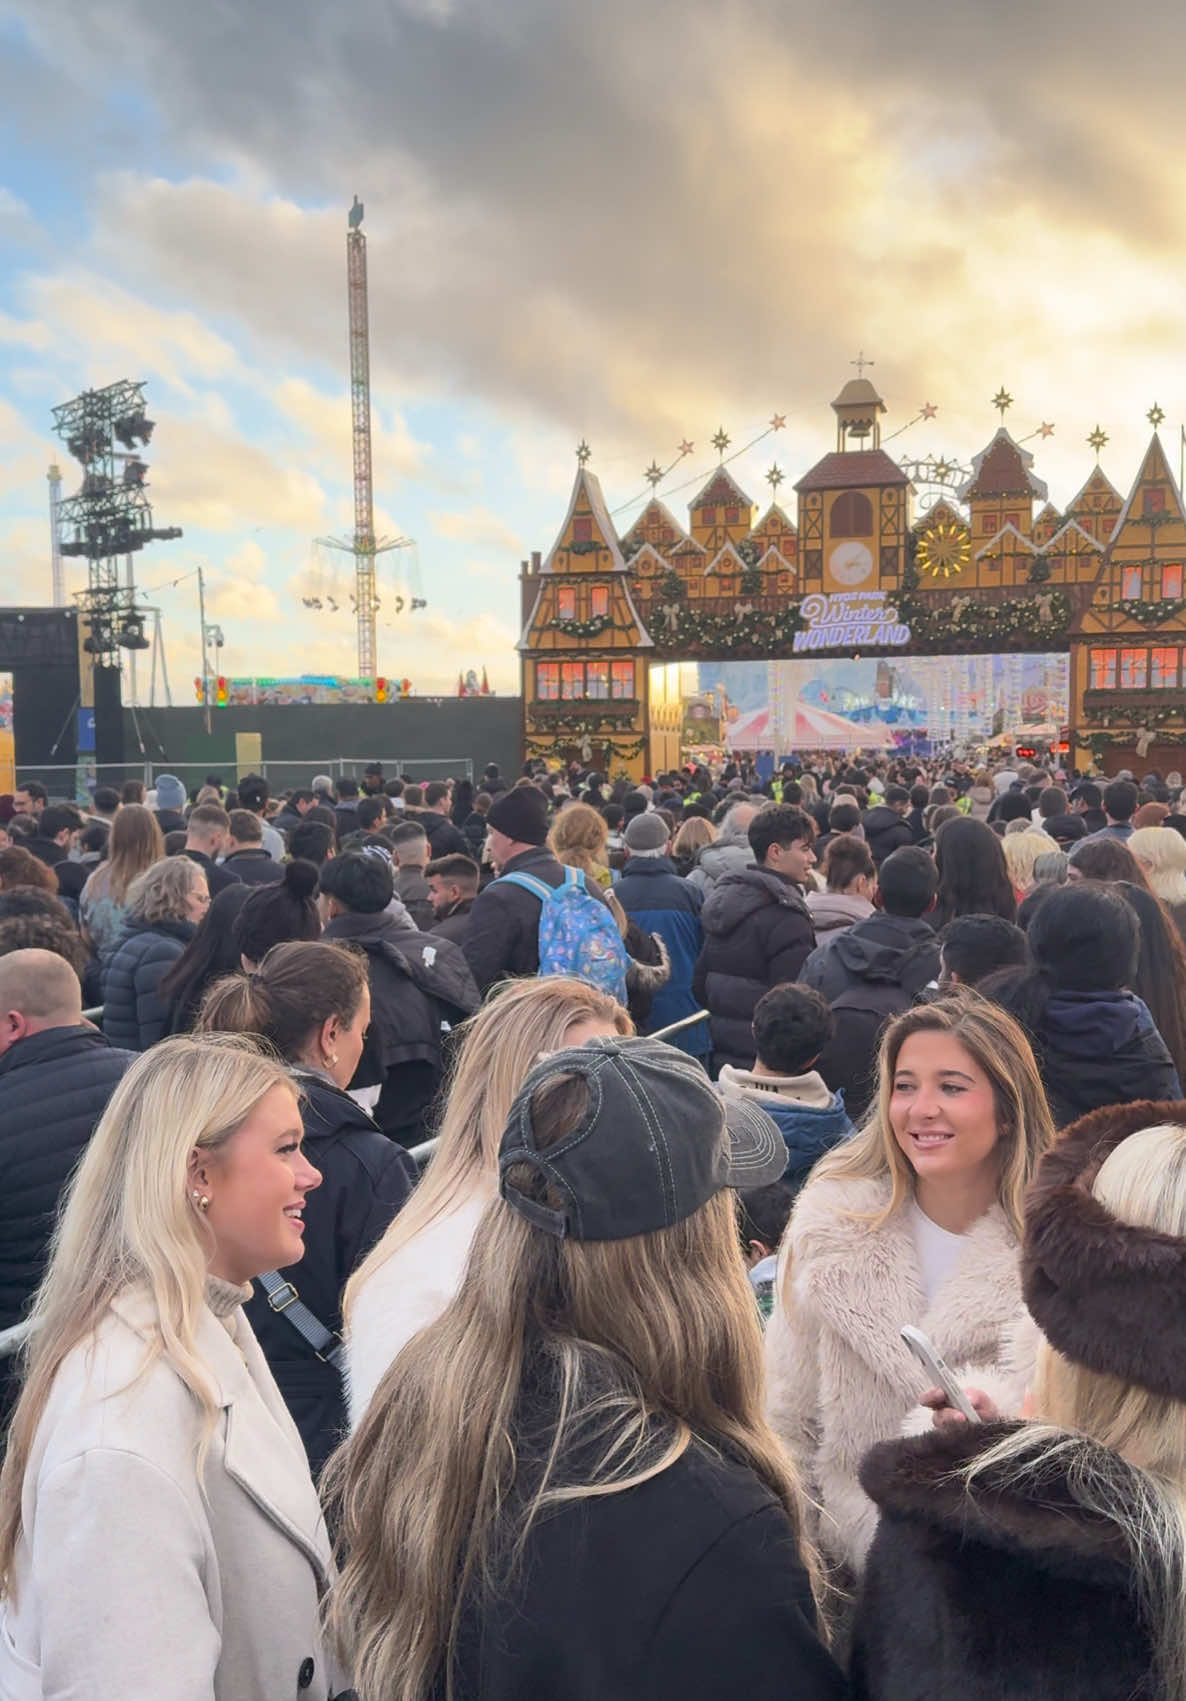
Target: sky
632	223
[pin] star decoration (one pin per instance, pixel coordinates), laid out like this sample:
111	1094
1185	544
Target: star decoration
775	477
584	453
1097	440
928	411
686	448
1046	429
654	474
778	421
721	441
941	470
1155	416
1002	401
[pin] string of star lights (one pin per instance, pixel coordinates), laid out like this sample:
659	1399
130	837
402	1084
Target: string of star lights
720	442
928	410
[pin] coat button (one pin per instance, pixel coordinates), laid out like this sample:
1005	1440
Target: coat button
305	1675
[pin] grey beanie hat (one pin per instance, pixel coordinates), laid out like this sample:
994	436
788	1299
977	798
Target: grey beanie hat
170	793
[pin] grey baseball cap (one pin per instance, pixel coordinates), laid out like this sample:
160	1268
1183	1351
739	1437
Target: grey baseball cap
654	1144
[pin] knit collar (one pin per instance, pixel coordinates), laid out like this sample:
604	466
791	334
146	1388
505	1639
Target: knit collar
224	1298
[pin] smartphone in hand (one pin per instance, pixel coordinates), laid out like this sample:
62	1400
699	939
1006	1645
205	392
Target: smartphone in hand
924	1351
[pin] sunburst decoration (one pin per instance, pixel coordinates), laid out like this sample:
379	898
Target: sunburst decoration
721	441
944	549
1097	439
775	477
584	453
1002	401
654	474
1155	416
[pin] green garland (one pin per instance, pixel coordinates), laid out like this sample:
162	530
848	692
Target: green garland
588	721
1018	620
1147	611
559	747
1123	715
591	628
585	547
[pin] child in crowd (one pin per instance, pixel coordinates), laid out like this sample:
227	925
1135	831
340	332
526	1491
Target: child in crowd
792	1024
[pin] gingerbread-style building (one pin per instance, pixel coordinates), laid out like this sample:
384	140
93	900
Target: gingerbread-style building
992	569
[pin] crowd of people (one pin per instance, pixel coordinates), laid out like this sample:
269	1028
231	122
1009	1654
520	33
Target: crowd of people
456	1240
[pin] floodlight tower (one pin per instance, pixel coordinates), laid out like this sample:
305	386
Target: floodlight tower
360	416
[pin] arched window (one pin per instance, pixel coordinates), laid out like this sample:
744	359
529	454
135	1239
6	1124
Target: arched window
852	515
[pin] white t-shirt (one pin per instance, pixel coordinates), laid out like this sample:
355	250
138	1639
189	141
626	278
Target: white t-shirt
937	1248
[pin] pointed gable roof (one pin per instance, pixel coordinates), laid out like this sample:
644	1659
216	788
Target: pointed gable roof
655	516
774	558
1154	470
939	513
1098	484
726	560
782	522
1073	532
1006	531
1002	469
587	499
722	490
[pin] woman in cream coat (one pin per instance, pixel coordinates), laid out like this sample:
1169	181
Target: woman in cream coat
915	1220
159	1532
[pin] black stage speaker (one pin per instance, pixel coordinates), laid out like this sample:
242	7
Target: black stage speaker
44	710
109	718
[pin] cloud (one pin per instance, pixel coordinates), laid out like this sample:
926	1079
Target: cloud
206	478
478	526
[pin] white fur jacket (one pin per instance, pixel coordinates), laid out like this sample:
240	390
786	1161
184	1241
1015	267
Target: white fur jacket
839	1377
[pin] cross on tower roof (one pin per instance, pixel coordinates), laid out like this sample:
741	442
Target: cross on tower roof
861	362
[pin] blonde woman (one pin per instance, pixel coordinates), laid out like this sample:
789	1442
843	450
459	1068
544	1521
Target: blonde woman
164	906
578	839
916	1219
1161	854
1022	851
691	839
414	1270
565	1487
1051	1553
135	843
159	1531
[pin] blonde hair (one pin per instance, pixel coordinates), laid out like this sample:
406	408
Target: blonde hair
578	838
500	1045
645	1344
1142	1182
128	1222
159	894
1161	852
135	844
999	1047
1022	850
696	833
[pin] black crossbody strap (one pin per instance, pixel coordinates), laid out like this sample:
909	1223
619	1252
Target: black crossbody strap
286	1302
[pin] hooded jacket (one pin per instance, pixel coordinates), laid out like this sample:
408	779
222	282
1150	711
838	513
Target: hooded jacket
1003	1588
757	934
421	988
885	831
810	1117
659	902
832	912
134	1014
1100	1048
365	1178
729	853
892	950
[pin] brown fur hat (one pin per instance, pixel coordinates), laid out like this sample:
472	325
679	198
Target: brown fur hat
1106	1294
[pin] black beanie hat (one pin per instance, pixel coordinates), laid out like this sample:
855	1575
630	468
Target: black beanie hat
521	814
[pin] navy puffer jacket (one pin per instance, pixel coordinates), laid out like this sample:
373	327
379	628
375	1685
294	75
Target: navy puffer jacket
757	933
133	1013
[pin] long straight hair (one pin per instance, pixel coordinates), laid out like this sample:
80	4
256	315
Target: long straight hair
128	1223
136	842
501	1043
640	1346
1141	1182
1001	1050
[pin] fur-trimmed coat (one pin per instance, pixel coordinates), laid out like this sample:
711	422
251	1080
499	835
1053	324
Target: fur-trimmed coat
1006	1591
839	1376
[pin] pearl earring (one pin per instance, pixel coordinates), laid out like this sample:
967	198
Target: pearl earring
202	1200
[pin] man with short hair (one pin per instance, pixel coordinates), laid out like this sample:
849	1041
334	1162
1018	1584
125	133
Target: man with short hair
453	886
886	826
104	803
660	903
253	796
56	826
1087	802
206	835
757	929
57	1073
373	814
29	799
443	837
246	855
372	779
875	970
410	847
1120	801
293	812
346	808
311	841
972	947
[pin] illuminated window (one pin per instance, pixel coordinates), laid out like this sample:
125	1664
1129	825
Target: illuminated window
1154	502
623	679
708	516
547	681
852	515
731	516
1130	583
1164	676
566	602
1103	670
582	530
1171	580
572	681
1134	670
1013	520
597	679
988	524
599	601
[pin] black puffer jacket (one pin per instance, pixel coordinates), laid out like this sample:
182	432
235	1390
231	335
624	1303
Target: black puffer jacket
444	839
757	933
421	988
1099	1048
133	1013
893	950
885	831
54	1087
1006	1589
503	937
365	1178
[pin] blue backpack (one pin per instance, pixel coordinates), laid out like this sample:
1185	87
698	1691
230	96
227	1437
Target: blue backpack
577	935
